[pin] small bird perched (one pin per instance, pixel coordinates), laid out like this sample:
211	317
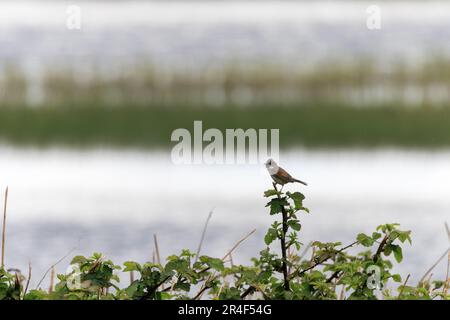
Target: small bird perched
279	175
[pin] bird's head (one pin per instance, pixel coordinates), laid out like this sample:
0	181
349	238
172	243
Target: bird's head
270	163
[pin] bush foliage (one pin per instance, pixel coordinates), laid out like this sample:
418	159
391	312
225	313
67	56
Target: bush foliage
330	272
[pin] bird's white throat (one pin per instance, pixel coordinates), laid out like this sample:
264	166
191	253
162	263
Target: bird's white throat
273	169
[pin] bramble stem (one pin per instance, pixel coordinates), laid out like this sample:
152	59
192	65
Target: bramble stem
283	242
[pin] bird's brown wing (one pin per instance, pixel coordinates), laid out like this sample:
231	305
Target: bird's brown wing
283	175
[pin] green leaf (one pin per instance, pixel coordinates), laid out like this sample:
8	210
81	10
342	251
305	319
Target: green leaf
276	205
182	286
230	294
165	296
175	265
404	235
365	240
298	198
217	264
270	236
295	225
387	250
376	235
214	263
438	284
79	260
36	295
397	253
132	289
269	193
396	278
131	266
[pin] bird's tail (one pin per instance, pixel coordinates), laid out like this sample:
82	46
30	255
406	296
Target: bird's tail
296	180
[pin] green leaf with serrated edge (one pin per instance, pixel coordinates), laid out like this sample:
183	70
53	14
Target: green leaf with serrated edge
396	278
270	192
387	250
182	286
398	254
298	198
376	235
131	266
276	205
79	260
295	225
270	236
365	240
214	263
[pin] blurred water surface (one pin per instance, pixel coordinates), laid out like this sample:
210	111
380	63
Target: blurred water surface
114	201
189	34
224	52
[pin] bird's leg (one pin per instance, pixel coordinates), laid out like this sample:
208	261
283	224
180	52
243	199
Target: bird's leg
281	190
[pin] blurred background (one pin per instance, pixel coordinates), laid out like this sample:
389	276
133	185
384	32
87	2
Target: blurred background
86	116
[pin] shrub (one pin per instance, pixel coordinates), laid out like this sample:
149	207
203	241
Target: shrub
331	272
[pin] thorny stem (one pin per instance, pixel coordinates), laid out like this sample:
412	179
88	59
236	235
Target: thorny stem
403	287
283	241
380	248
334	276
249	290
152	290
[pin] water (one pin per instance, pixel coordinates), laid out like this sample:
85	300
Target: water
190	34
133	51
114	201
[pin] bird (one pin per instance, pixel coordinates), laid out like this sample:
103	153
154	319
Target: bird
279	175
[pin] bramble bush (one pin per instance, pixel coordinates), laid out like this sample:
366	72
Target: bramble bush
330	272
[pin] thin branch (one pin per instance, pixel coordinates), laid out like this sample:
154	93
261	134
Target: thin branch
334	276
249	290
238	244
53	265
158	257
380	248
221	288
342	294
289	257
210	277
403	287
200	293
448	231
52	280
154	288
283	241
252	290
300	272
28	279
203	235
305	250
447	279
5	204
231	261
433	266
313	253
